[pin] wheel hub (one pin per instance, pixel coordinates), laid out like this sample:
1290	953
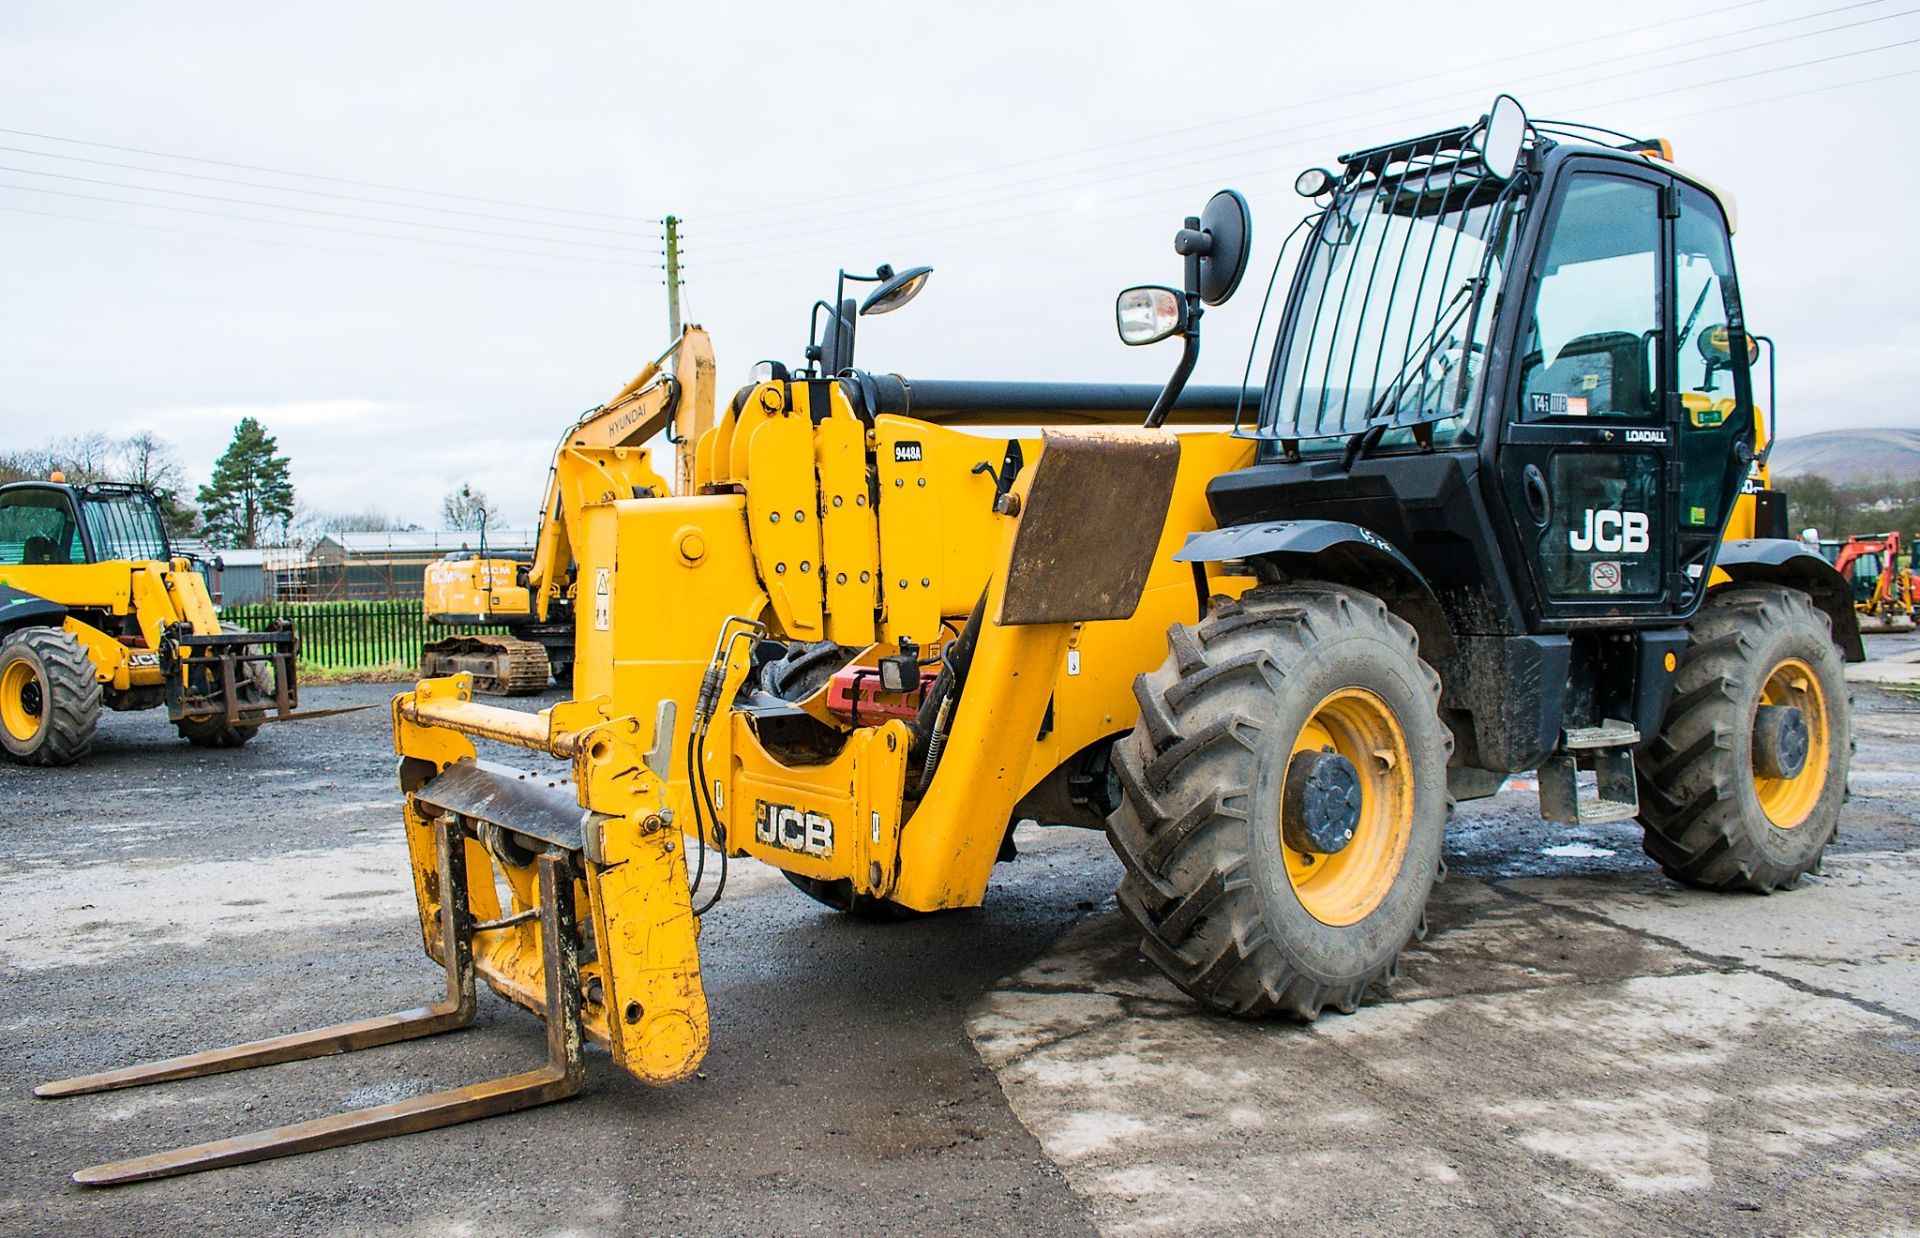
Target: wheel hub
1781	741
1321	808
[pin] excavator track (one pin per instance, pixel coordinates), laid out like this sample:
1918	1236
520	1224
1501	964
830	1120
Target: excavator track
500	665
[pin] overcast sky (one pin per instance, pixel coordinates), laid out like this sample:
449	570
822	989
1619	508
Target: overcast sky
1038	155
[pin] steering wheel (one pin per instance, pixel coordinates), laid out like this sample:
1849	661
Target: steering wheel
1444	371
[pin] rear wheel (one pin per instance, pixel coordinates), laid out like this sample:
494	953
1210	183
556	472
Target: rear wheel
49	697
1284	801
213	730
1742	788
840	896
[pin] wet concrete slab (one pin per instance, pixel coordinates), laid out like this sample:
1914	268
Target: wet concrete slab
1561	1055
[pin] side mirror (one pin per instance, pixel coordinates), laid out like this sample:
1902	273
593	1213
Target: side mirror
896	291
834	353
1716	347
1147	315
1222	243
1502	137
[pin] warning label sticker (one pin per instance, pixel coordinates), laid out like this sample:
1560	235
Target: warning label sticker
1605	576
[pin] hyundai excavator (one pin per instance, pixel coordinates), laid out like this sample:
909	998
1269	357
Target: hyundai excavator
535	601
1498	505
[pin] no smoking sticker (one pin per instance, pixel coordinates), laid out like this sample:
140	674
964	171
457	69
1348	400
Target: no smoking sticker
1605	576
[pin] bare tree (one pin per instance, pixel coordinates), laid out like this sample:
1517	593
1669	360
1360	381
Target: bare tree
468	508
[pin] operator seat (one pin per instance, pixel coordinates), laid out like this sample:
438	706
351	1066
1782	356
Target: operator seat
1605	369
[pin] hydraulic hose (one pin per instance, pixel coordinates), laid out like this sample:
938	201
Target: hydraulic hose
936	711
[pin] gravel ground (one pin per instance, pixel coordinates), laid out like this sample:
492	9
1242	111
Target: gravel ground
157	900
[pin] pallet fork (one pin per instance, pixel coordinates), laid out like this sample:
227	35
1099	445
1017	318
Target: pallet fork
559	1078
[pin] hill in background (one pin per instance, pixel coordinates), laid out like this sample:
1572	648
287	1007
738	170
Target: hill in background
1847	456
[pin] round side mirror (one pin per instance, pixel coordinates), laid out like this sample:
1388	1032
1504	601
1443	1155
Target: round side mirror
1716	346
1148	315
896	291
1228	221
1502	137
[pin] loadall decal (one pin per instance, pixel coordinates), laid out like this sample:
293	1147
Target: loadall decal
1613	532
790	829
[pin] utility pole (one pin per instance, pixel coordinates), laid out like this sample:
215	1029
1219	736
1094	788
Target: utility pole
673	276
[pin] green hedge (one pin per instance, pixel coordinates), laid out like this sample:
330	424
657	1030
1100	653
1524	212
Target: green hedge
342	635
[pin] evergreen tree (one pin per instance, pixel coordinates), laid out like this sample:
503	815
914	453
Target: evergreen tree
250	491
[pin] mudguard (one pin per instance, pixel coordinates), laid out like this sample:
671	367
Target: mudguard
20	609
1779	561
1334	551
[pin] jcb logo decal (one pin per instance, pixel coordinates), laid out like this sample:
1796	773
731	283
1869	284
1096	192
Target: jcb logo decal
790	829
1613	532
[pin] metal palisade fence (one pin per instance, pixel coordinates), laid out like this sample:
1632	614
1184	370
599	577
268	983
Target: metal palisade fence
352	635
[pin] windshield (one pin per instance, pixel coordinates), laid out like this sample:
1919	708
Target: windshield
1392	304
37	528
124	526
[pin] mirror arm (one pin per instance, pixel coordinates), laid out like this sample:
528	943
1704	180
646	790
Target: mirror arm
1192	244
1189	355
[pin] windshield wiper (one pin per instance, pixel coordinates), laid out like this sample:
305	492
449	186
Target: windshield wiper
1376	424
1445	320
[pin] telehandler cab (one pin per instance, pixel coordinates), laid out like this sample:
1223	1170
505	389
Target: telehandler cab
96	610
1497	507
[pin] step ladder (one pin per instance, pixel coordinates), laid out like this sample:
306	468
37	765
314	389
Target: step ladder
1616	795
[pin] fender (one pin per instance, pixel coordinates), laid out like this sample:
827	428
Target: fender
1778	561
20	609
1334	551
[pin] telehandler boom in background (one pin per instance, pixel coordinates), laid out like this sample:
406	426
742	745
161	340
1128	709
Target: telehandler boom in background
1497	507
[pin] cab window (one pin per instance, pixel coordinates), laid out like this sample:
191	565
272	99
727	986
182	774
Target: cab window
37	528
1596	310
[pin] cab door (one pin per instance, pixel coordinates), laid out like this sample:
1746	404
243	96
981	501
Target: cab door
1588	457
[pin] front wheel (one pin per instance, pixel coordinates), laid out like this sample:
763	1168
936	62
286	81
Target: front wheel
214	730
1284	799
49	697
1742	788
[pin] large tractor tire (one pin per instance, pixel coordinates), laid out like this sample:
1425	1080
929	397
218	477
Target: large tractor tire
49	698
1284	799
1742	788
213	730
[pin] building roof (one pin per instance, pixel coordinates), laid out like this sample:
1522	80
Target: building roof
431	541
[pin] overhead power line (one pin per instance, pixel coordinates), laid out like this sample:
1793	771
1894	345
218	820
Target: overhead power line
1260	141
1397	84
1334	127
335	180
327	249
1327	127
294	223
318	210
319	193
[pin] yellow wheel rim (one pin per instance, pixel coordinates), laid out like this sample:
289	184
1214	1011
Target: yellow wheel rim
23	700
1788	802
1345	887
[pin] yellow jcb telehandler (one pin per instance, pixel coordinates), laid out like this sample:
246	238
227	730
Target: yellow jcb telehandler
97	611
1496	507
